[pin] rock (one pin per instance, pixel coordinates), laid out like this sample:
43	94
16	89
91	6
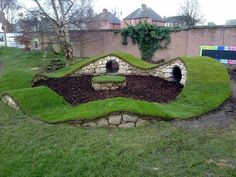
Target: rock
102	70
57	48
115	120
141	122
96	86
129	118
90	124
10	102
102	123
112	126
167	75
127	125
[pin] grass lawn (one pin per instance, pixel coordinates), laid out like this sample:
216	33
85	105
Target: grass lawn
31	148
108	79
207	87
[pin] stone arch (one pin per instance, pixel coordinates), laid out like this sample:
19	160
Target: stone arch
112	66
177	74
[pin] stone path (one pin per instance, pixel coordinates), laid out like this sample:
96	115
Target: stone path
223	118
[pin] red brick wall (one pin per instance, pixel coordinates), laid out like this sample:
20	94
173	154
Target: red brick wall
186	42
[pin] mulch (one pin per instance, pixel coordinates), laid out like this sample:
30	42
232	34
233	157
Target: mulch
77	90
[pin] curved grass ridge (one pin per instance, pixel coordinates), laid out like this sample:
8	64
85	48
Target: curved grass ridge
130	59
108	79
207	87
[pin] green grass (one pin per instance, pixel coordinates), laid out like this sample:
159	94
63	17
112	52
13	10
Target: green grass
108	79
31	148
15	80
134	61
21	60
207	87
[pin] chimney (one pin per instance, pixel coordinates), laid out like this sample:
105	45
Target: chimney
105	11
144	6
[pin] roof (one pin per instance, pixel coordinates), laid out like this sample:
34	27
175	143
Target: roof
144	12
107	16
175	19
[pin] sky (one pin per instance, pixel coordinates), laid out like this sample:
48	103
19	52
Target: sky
213	10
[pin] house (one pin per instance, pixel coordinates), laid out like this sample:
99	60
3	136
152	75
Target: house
231	22
104	20
143	14
175	21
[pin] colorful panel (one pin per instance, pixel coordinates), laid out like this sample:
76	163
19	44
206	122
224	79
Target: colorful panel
223	54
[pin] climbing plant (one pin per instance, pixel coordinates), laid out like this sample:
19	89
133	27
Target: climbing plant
148	37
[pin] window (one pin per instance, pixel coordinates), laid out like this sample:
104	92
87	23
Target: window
132	21
1	38
36	44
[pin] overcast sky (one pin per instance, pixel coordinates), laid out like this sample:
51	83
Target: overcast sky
213	10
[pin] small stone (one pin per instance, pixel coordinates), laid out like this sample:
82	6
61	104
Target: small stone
112	126
10	102
129	118
121	71
90	124
141	123
115	120
102	123
127	125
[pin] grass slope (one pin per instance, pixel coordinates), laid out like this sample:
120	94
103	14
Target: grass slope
108	79
134	61
207	87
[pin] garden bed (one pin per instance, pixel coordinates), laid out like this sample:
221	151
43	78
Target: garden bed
77	90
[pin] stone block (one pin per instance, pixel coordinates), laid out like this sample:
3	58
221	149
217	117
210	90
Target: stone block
89	124
10	102
127	125
115	120
129	118
141	122
102	123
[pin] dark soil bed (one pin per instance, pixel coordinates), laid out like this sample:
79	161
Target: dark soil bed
77	90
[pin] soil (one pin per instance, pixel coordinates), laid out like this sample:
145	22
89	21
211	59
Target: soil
77	90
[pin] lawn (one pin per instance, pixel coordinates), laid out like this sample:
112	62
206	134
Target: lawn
207	87
108	79
31	148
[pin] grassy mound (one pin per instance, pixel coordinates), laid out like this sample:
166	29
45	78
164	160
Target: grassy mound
108	79
207	87
134	61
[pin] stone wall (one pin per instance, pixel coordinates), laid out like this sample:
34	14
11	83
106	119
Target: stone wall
183	43
120	120
108	86
164	71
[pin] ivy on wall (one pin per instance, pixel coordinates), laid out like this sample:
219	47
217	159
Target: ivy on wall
148	37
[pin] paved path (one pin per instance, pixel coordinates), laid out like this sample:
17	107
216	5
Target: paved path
222	118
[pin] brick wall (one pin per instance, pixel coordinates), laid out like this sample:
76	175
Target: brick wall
185	42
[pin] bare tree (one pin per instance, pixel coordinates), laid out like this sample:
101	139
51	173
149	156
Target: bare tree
116	13
190	10
62	13
5	7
